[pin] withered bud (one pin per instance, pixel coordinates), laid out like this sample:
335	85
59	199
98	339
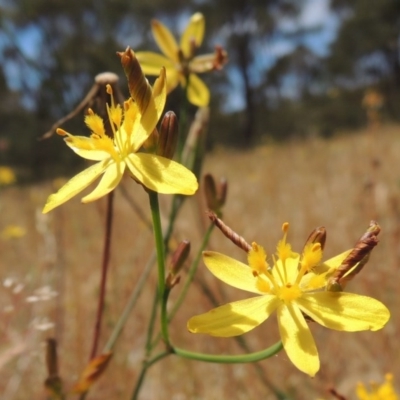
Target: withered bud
139	87
356	260
210	192
222	191
179	256
169	133
229	233
318	235
215	196
177	260
172	280
221	57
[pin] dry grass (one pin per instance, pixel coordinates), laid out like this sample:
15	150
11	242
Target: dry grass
313	183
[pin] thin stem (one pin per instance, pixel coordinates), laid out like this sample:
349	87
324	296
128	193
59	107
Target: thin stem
146	366
159	242
104	270
150	328
129	306
225	359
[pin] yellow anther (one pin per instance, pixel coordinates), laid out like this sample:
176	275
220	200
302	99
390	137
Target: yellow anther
61	132
285	227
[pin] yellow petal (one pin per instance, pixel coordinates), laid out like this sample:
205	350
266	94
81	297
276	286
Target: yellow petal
165	40
86	151
162	174
203	63
286	273
108	182
197	92
151	63
235	318
75	185
160	93
231	271
297	339
345	311
153	110
194	32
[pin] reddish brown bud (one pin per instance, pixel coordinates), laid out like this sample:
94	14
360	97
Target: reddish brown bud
318	235
356	260
210	192
178	259
169	133
221	58
139	87
215	195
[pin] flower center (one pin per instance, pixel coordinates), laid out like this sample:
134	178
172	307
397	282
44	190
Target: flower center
289	292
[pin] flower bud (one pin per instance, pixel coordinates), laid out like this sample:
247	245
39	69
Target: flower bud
169	133
318	235
215	196
356	260
178	258
139	87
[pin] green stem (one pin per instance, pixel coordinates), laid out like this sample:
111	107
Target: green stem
150	328
159	242
225	359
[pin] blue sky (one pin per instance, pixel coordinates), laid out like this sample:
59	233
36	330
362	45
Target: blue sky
315	14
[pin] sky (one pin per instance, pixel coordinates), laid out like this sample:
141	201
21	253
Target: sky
315	14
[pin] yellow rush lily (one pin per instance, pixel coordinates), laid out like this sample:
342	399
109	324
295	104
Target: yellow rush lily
379	392
179	60
291	288
131	127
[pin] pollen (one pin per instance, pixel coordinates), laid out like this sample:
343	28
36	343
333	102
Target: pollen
95	124
312	256
256	259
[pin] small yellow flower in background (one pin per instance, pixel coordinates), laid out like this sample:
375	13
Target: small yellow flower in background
7	176
13	232
290	287
378	392
180	61
131	127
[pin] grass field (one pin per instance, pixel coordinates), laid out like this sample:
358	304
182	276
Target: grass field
50	276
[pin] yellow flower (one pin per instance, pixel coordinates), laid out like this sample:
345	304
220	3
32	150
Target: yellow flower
7	176
179	60
131	127
383	392
289	287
